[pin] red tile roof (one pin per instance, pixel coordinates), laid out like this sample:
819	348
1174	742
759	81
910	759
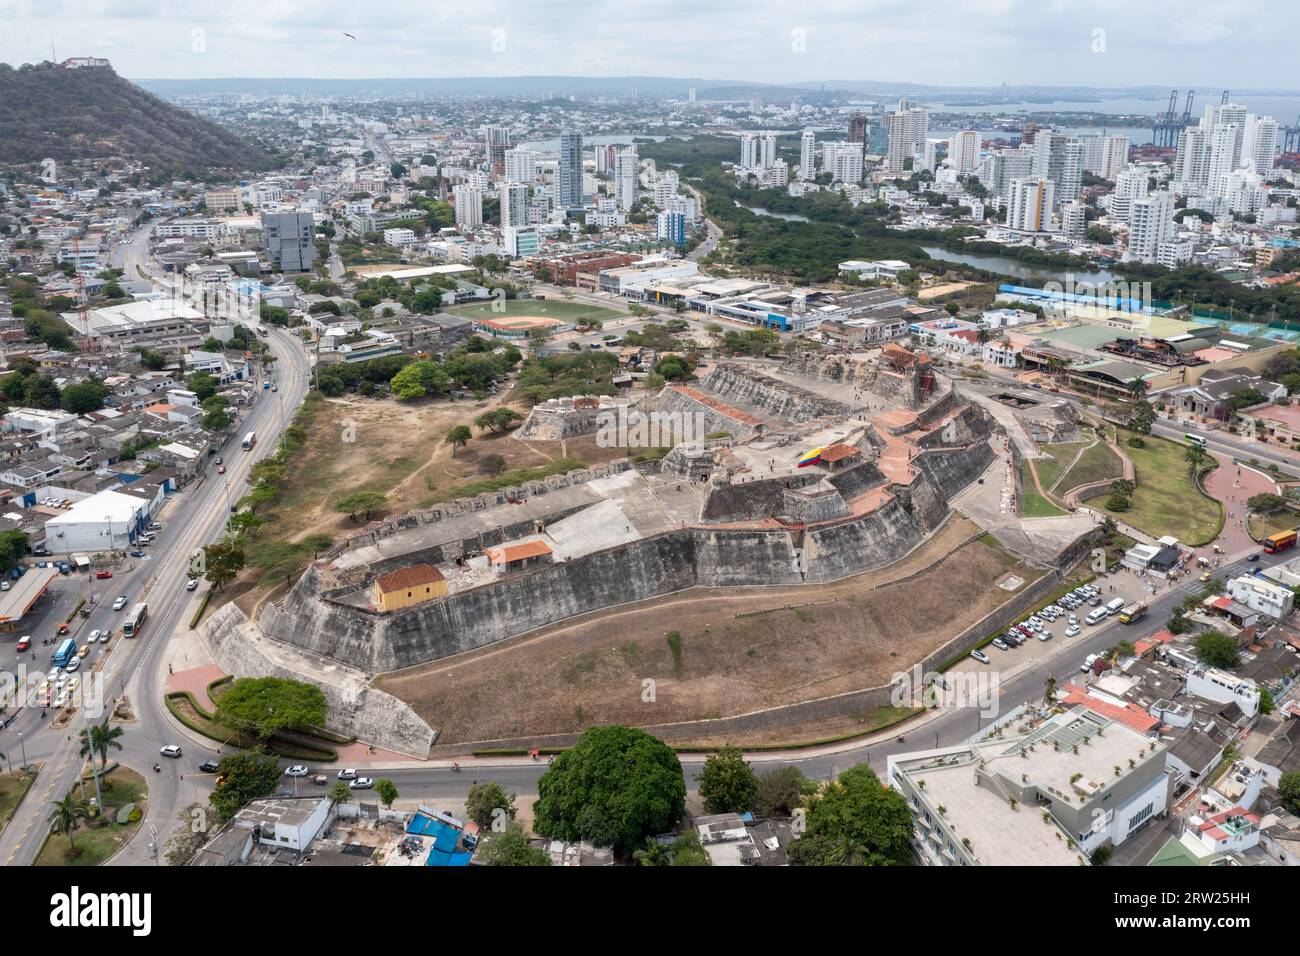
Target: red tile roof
414	576
518	552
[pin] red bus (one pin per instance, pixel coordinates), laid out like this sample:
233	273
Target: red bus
1279	542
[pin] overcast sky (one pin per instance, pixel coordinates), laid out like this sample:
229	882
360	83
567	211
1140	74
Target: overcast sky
1207	43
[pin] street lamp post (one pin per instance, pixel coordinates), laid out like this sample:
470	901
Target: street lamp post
23	747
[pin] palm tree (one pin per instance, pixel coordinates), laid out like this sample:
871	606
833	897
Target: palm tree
65	816
1137	389
97	739
1049	691
1194	454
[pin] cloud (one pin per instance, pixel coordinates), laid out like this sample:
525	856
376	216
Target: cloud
949	42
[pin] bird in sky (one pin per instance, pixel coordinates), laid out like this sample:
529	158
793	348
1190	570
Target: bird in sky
349	35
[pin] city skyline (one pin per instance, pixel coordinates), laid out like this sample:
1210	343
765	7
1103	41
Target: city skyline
1091	43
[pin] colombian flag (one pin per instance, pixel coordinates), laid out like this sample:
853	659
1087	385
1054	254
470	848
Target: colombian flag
810	457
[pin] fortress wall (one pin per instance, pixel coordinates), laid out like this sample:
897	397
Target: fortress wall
858	480
529	489
523	602
772	397
744	501
873	541
821	504
672	401
351	707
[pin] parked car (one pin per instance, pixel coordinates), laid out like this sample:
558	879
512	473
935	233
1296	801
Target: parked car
191	584
348	774
1000	644
1044	635
5	585
1073	630
978	655
1088	662
364	783
171	750
103	575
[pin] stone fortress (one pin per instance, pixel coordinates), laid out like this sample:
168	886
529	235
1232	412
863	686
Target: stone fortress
744	507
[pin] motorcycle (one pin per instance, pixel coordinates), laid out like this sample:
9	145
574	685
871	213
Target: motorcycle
455	768
157	768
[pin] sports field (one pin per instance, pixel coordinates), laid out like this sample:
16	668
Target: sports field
502	310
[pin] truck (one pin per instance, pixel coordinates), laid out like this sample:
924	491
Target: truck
250	440
1132	613
1282	541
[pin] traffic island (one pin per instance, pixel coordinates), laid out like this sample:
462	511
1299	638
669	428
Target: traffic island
80	837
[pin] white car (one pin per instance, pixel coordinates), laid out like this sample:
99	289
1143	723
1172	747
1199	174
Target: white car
1088	662
191	584
104	635
119	603
362	783
348	774
978	655
297	770
1044	635
1073	630
74	664
171	750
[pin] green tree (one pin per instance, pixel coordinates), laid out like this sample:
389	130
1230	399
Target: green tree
1264	503
615	787
856	822
673	368
265	705
685	850
386	790
203	385
458	436
83	397
339	793
65	816
1217	650
781	791
247	775
727	782
511	848
1288	789
364	501
498	419
223	562
485	799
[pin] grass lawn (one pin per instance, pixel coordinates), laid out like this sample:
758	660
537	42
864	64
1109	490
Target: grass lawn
1049	469
1098	463
1261	526
1032	504
548	308
12	787
95	841
1166	501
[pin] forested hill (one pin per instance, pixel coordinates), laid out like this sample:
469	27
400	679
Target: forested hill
49	111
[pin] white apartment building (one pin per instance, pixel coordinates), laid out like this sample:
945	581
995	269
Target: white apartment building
1074	220
1151	225
1130	185
468	203
964	151
1059	158
514	205
907	129
399	237
808	155
843	161
1262	595
520	166
625	178
1029	207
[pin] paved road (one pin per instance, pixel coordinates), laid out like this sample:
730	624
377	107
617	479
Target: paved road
198	517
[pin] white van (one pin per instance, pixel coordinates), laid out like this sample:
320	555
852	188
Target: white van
1096	616
1115	606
